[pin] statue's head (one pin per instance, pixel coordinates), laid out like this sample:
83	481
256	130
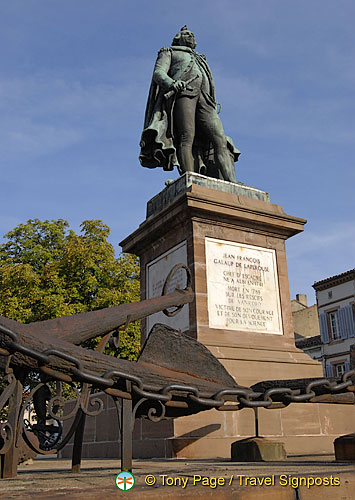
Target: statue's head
185	37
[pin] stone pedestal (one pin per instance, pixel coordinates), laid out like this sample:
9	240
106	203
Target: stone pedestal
233	240
344	447
234	244
257	450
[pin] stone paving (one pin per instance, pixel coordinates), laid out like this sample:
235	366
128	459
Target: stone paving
49	478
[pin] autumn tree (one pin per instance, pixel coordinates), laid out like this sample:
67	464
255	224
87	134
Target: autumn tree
47	271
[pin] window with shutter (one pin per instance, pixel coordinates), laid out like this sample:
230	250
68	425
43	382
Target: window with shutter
349	315
329	371
323	326
339	369
342	323
334	325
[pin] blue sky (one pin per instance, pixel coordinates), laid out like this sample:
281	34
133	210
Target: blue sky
74	78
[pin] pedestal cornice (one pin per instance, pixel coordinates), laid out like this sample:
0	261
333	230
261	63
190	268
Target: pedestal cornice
221	208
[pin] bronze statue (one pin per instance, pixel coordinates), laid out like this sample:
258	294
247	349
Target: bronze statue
182	126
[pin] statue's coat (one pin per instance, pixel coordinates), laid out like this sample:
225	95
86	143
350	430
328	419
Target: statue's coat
157	141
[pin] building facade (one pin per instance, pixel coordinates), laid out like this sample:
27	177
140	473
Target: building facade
336	310
306	327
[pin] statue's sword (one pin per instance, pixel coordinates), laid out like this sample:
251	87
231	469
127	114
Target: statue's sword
172	92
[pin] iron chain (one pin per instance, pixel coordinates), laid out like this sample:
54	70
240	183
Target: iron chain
245	396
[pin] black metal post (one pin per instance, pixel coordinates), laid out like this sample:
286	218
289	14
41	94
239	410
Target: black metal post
126	434
78	443
256	419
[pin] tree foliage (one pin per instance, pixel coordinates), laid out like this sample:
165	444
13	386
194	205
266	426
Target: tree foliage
47	271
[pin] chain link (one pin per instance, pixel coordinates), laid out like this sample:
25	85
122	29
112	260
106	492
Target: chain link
245	396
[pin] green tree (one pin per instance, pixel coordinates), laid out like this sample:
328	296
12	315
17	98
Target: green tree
47	270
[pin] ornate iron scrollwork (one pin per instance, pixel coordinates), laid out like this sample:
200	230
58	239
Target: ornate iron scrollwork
151	409
6	430
6	437
49	436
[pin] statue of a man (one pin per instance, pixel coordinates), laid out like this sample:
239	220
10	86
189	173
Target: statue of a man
182	126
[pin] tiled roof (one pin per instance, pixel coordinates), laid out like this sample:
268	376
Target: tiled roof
334	280
309	342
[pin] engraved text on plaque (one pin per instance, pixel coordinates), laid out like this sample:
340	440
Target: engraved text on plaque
242	285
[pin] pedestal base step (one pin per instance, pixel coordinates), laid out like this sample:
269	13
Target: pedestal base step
258	449
344	447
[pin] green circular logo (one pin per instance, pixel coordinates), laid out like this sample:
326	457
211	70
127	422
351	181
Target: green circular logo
124	481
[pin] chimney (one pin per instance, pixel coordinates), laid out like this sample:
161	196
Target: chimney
302	298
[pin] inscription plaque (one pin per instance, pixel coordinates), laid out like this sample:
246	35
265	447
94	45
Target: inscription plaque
156	272
242	286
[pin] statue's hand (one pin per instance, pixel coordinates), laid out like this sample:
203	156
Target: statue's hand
179	85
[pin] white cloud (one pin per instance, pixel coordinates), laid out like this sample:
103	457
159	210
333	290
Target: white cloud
334	239
27	137
273	110
43	113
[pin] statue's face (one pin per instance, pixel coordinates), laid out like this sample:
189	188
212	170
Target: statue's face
187	38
